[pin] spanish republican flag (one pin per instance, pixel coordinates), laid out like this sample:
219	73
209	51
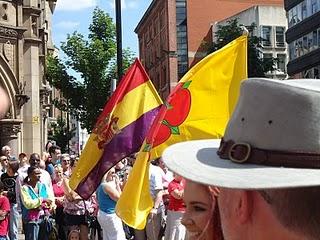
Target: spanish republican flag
198	108
119	131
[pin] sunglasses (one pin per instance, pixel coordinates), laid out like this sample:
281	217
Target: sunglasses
35	159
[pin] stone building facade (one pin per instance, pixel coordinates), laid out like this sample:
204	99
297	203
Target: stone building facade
25	40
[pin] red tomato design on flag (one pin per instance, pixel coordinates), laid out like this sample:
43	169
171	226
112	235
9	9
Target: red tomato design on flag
172	114
180	104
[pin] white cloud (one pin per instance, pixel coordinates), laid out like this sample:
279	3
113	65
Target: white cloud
133	4
72	5
125	4
67	24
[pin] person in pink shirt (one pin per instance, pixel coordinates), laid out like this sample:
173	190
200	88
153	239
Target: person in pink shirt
59	198
174	229
4	214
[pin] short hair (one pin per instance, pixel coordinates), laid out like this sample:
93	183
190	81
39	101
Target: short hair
4	148
65	155
32	158
22	155
14	165
297	209
53	148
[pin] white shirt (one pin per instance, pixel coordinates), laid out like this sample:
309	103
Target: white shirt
155	178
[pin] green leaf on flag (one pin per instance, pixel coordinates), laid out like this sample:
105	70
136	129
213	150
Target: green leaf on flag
175	130
186	84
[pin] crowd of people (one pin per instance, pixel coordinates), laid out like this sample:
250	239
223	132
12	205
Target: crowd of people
38	192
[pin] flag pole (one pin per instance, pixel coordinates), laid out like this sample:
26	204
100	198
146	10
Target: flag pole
119	38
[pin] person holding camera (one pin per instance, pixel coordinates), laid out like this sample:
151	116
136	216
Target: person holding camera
108	194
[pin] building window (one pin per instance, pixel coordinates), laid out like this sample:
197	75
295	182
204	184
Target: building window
267	56
292	50
182	42
280	36
266	36
281	62
299	47
314	6
304	10
315	39
305	45
299	12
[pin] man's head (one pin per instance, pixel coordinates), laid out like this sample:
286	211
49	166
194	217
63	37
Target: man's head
55	153
34	160
267	165
6	151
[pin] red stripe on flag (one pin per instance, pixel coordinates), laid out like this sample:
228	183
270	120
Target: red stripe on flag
135	76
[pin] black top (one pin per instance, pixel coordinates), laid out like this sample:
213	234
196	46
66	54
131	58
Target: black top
10	186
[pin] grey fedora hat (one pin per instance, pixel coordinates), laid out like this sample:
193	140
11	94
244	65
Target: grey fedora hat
272	140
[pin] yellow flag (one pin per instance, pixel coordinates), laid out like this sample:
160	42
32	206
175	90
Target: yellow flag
136	202
198	108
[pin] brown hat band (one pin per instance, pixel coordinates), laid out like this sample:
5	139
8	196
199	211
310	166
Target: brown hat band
244	153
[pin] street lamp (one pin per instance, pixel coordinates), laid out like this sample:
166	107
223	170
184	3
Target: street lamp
119	38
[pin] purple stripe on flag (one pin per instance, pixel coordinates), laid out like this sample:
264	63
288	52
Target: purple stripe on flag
128	141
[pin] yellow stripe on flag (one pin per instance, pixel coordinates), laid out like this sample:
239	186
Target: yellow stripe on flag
94	154
137	105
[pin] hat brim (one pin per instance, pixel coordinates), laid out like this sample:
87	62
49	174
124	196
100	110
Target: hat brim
198	161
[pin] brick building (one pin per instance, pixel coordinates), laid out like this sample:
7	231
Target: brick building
175	34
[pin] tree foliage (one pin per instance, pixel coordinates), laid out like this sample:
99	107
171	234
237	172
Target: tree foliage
257	65
94	60
61	134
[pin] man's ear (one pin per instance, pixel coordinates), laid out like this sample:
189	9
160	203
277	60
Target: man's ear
244	206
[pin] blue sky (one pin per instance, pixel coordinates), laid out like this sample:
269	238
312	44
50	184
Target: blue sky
71	15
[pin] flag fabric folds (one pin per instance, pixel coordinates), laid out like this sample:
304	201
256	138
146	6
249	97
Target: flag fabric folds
198	108
119	130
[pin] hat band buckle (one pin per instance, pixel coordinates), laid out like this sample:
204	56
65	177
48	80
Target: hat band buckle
233	150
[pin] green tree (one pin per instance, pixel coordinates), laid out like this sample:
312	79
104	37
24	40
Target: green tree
61	134
257	65
94	60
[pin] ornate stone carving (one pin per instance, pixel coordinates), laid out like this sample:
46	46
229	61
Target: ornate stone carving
21	97
10	130
8	52
3	11
34	25
8	32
